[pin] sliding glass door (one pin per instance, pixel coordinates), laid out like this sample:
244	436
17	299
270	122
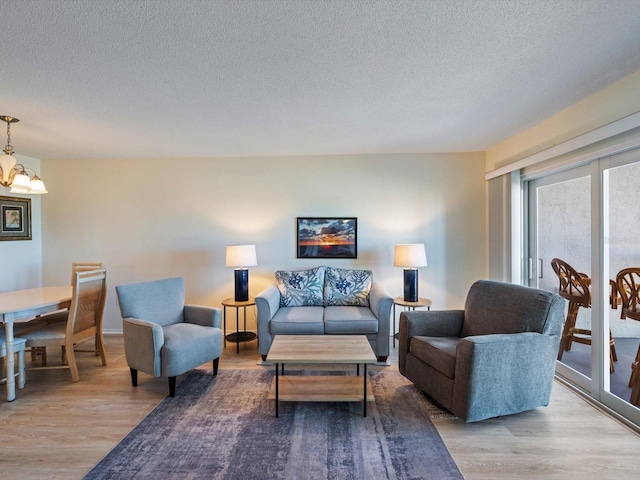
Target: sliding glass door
621	213
589	217
560	228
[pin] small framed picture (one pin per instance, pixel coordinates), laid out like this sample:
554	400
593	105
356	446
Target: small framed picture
327	237
15	218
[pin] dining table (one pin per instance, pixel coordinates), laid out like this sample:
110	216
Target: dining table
22	306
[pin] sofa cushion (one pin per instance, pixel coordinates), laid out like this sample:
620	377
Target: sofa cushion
301	288
438	352
297	321
350	320
347	287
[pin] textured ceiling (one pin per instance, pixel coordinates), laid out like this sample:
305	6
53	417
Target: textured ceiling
187	78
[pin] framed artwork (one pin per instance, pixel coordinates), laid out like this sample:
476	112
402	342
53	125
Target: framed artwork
327	237
15	218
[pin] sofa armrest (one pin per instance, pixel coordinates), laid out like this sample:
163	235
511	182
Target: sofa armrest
426	323
267	304
514	369
380	302
203	315
143	341
431	323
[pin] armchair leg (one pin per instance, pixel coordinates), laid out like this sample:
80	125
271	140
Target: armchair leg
134	377
215	366
264	358
172	386
382	359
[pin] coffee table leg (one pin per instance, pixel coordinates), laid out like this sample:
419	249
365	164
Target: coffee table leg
365	389
277	367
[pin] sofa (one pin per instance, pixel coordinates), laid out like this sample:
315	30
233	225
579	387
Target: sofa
325	300
496	357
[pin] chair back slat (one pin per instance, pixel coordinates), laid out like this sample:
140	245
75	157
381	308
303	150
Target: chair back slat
628	285
87	303
573	286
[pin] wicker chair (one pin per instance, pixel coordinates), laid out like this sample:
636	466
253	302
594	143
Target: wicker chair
576	287
628	284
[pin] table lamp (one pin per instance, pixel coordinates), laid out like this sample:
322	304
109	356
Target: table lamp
241	256
410	256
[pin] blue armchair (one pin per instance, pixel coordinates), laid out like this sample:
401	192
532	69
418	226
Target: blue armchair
164	337
496	357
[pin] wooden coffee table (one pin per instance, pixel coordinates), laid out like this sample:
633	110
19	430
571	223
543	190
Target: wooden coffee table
321	349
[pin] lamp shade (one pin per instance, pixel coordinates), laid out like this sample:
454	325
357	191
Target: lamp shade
241	256
410	255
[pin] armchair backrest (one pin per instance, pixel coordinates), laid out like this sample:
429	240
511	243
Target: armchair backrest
158	301
498	307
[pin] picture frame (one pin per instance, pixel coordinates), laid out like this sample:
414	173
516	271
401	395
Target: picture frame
15	218
327	237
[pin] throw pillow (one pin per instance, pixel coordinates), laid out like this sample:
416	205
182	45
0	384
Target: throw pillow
301	288
347	287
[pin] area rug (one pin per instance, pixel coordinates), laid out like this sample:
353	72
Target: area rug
224	427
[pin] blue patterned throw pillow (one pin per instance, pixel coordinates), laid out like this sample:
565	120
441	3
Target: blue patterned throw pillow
301	288
347	287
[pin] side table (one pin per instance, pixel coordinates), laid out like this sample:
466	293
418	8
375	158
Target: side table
238	336
422	302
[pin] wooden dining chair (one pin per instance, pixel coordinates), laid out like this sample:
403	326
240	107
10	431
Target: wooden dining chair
57	317
576	288
628	284
84	322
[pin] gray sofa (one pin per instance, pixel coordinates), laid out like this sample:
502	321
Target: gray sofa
322	301
496	357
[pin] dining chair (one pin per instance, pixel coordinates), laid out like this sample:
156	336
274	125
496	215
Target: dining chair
576	288
18	349
83	324
57	317
628	284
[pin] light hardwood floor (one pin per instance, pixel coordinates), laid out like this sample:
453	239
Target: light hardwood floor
58	430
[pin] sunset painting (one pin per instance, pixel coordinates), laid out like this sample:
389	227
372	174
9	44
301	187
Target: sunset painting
327	237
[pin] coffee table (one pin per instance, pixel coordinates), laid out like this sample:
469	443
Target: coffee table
321	349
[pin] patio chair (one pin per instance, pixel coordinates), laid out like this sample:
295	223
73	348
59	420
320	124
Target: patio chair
628	284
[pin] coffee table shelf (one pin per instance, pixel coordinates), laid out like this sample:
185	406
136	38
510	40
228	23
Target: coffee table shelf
320	388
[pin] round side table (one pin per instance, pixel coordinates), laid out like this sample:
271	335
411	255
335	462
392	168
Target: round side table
238	336
422	302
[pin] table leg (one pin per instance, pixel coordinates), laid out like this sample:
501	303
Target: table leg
244	318
10	358
393	334
224	320
237	331
365	390
277	393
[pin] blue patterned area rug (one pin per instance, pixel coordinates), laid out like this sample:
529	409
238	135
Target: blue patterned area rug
224	428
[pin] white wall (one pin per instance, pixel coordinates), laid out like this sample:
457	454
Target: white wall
612	103
21	260
149	219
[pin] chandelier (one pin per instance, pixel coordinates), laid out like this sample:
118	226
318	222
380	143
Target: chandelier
14	175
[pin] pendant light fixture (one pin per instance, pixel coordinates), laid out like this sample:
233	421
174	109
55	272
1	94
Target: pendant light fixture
14	175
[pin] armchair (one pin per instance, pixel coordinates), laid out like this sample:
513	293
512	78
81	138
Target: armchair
164	337
496	357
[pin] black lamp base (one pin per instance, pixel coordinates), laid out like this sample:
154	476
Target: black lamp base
241	285
411	285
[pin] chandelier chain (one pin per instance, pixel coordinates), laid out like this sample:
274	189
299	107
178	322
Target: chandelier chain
8	149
